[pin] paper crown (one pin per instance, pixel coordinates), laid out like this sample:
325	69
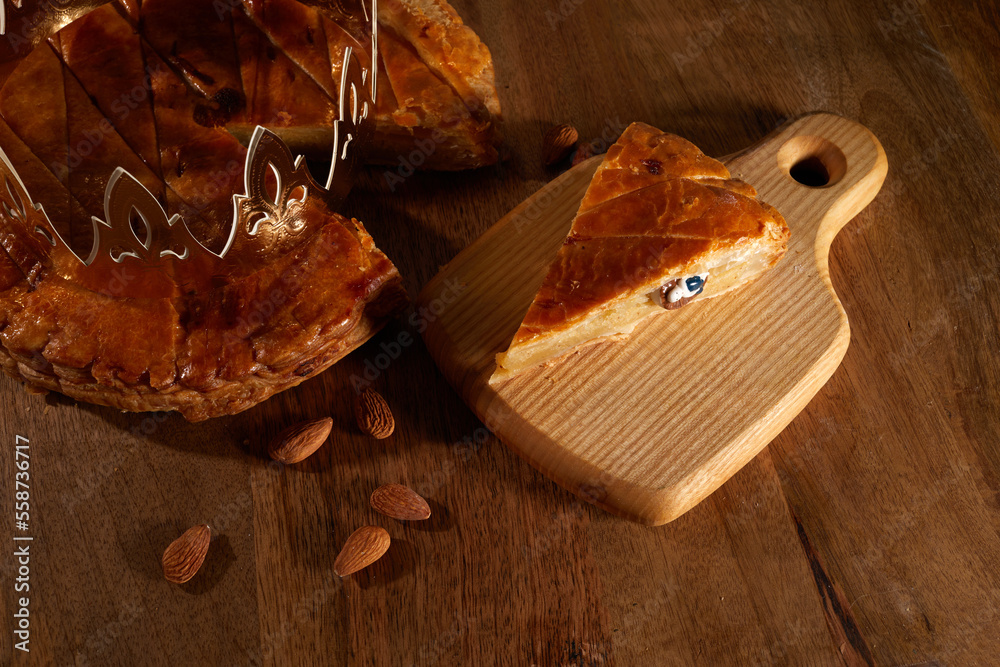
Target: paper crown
136	235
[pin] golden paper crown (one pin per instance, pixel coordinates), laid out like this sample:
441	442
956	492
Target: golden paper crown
136	235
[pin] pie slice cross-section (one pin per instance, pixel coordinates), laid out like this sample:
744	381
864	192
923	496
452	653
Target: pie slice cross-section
661	225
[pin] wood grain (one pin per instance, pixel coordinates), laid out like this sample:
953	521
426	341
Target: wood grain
649	426
865	533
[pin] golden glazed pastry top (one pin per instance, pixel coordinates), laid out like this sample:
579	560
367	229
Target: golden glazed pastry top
655	208
161	90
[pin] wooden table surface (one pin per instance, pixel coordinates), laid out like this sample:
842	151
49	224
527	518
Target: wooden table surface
866	533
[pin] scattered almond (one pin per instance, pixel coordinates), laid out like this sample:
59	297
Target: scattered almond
373	414
297	443
558	143
365	546
184	556
400	502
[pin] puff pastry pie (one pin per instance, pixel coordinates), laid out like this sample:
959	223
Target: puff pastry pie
661	225
164	89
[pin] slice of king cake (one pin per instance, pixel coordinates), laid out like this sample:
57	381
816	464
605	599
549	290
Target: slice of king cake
661	225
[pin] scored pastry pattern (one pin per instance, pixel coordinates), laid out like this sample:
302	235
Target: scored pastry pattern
137	229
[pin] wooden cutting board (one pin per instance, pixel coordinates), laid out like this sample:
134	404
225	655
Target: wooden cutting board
648	426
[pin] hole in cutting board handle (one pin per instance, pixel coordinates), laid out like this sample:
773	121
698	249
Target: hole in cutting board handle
810	171
812	161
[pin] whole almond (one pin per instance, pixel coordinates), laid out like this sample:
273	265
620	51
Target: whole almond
296	443
373	415
365	546
184	556
400	502
558	143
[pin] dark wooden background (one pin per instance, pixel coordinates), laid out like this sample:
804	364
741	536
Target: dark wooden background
866	533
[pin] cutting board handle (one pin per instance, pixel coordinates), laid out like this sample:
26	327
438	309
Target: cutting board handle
811	153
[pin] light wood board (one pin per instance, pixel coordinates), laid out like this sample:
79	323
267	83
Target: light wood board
649	426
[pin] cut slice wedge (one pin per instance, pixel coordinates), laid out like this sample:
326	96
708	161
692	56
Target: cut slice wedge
660	226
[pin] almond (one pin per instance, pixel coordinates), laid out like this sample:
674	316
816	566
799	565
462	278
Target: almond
185	555
400	502
558	143
373	415
365	546
296	443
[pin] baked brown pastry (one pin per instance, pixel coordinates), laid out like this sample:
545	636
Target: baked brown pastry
203	334
436	82
207	353
218	338
661	225
437	106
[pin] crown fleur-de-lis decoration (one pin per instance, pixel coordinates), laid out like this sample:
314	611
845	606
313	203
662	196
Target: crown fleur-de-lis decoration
257	209
157	253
